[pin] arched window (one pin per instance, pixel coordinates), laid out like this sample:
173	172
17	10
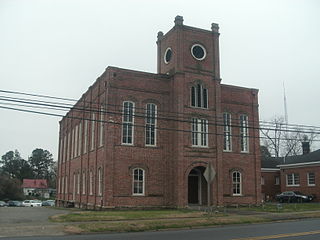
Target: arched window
199	96
127	122
236	183
83	182
138	181
151	114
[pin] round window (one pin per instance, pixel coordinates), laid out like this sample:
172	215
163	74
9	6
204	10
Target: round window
167	55
198	51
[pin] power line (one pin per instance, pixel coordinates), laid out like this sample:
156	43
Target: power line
135	125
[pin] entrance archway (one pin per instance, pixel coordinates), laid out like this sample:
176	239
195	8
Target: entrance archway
197	187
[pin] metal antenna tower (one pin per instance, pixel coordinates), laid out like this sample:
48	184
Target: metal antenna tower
285	106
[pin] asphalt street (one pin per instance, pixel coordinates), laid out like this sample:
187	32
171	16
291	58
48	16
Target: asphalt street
302	230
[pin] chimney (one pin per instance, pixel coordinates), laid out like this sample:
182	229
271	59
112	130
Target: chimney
305	146
178	20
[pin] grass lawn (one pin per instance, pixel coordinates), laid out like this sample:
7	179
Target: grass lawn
148	220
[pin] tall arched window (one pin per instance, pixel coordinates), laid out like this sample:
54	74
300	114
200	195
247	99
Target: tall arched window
244	133
199	96
151	114
138	181
227	131
99	182
236	183
127	122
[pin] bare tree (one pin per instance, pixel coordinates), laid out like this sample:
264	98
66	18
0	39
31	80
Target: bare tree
284	140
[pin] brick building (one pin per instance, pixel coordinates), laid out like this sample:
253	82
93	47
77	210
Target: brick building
295	173
145	139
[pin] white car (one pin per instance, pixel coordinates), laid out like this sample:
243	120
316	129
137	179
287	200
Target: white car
31	203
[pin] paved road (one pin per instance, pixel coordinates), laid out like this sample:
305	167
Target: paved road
28	221
302	230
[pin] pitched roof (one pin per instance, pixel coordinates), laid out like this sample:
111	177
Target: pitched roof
273	162
35	183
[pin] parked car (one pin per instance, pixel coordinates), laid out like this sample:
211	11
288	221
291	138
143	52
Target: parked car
12	203
48	203
3	204
293	196
31	203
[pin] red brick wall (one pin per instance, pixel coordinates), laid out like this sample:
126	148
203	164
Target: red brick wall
270	189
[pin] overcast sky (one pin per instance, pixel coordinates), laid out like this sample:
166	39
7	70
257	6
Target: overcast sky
60	47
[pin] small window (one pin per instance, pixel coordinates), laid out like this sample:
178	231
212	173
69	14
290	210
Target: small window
198	52
138	181
99	182
262	181
167	55
236	183
293	179
277	180
199	96
311	179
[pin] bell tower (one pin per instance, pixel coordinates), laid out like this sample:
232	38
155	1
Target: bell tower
189	49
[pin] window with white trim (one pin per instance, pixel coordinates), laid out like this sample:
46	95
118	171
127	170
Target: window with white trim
69	146
91	183
262	181
277	180
62	185
85	147
127	122
101	126
99	182
76	138
199	132
93	124
236	183
72	144
67	185
199	96
226	131
80	139
244	135
83	182
74	187
311	179
78	183
138	181
60	149
64	155
293	179
151	115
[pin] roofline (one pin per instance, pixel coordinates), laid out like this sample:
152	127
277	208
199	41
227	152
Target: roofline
270	169
298	164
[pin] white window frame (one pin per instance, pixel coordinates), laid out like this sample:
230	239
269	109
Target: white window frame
67	185
72	143
125	137
227	132
101	126
74	187
236	184
62	190
78	183
83	182
85	144
93	124
199	132
138	181
277	180
262	180
80	139
295	177
314	179
91	182
100	182
194	91
244	133
76	137
151	125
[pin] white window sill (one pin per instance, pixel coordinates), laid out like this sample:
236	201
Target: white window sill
311	185
138	195
197	146
296	185
227	151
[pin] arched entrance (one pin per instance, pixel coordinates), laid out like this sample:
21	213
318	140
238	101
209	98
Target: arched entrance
197	187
